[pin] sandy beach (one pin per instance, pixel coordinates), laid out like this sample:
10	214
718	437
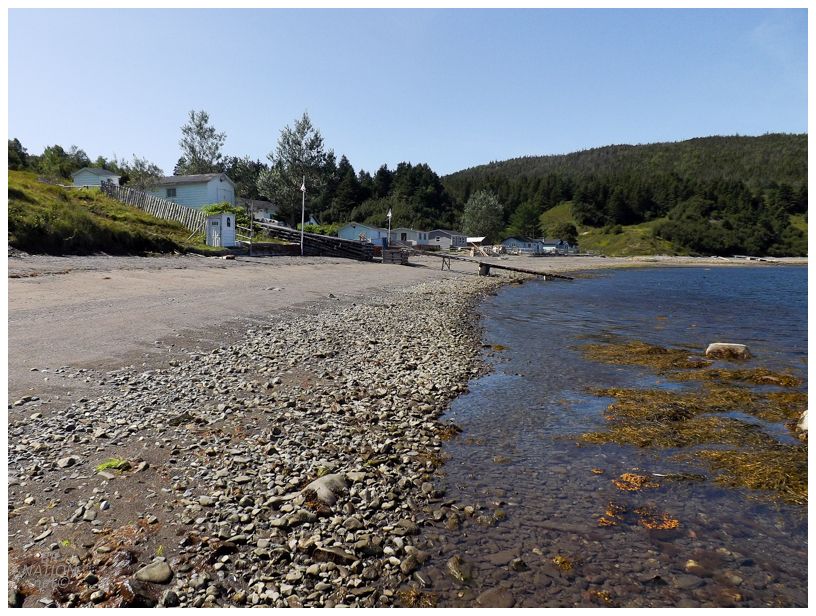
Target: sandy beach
170	416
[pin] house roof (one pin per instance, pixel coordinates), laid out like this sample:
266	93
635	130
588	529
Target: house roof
96	171
448	231
549	240
406	229
193	179
359	224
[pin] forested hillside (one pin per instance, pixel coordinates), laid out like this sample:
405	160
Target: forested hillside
713	195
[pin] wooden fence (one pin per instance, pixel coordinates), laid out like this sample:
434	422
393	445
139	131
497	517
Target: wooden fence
190	217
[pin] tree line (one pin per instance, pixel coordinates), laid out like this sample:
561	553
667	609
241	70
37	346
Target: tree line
717	195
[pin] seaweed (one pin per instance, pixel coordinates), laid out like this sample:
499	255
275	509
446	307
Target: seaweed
629	482
678	434
638	353
780	470
756	376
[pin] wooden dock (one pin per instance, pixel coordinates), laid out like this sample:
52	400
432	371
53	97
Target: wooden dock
484	266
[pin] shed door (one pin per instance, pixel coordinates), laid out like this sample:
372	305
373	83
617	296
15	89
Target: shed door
215	233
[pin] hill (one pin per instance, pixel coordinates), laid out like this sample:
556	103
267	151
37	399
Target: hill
50	219
711	195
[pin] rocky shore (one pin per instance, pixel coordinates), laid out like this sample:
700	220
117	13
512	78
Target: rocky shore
294	468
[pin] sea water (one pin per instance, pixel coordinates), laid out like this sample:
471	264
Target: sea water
519	454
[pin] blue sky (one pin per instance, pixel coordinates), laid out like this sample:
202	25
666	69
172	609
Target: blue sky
451	88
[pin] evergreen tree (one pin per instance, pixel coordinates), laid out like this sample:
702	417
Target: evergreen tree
200	145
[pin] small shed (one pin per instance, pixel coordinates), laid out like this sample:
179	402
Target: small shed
94	176
221	230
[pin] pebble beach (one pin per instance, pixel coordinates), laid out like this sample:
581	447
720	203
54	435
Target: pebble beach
293	468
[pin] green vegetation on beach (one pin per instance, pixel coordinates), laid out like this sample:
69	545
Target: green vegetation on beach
49	219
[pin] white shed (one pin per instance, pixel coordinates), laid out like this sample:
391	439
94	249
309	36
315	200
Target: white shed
94	176
221	230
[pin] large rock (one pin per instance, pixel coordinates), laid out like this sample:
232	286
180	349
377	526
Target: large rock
496	597
158	572
328	487
727	350
803	422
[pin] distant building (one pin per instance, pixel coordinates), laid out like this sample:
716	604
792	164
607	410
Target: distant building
409	237
360	232
261	210
556	246
446	239
518	243
94	176
196	190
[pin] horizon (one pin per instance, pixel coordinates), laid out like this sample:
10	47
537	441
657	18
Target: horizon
455	89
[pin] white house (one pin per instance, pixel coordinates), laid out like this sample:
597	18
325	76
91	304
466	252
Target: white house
261	210
446	239
360	232
94	176
221	230
412	237
526	245
556	246
196	190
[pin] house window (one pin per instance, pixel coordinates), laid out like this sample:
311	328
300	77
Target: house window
228	221
171	192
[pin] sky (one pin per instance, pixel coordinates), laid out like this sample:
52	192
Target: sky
451	88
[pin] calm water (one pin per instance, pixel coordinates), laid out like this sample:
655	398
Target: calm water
535	401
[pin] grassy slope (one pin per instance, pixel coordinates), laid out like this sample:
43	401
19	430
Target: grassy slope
632	240
798	221
54	220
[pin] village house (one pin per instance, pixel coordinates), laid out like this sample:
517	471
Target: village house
408	237
360	232
556	246
196	190
446	239
261	210
521	244
94	176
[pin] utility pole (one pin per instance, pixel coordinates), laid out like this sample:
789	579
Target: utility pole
302	213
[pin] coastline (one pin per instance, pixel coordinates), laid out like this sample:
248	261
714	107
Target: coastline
221	442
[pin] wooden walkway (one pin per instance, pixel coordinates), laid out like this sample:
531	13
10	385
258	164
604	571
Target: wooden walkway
484	266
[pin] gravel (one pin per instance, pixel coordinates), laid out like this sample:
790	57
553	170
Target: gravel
289	469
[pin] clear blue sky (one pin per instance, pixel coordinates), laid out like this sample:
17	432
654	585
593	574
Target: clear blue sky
452	88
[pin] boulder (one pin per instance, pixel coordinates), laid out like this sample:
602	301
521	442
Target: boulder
328	487
158	572
727	350
496	598
803	422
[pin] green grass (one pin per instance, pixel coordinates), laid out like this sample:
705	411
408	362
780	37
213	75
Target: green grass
54	220
112	464
620	241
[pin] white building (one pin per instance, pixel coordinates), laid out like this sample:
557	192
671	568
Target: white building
221	230
94	176
362	233
408	237
196	190
526	245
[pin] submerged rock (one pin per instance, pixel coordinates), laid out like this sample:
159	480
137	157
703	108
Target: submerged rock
727	350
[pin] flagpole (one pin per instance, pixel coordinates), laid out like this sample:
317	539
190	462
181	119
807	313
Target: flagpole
302	213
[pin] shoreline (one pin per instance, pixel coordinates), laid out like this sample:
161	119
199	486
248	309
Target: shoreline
226	438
